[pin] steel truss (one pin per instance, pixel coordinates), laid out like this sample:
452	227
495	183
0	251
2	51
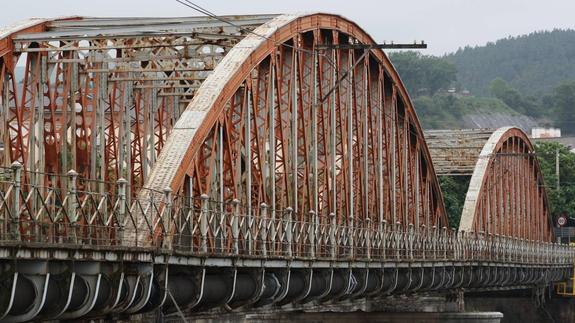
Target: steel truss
101	95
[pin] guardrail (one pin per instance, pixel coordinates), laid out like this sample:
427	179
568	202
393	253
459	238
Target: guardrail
67	212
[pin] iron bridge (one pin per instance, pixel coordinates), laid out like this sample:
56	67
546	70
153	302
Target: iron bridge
188	164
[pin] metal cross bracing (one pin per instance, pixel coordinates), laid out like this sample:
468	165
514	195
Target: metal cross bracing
101	95
276	185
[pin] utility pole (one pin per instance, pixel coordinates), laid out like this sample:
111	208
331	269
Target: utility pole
557	168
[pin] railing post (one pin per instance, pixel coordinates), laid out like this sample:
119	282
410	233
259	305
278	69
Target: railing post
122	209
497	247
463	238
167	215
527	251
434	239
15	213
368	237
488	242
423	235
272	234
521	253
289	231
235	226
532	247
456	244
311	233
507	248
410	235
444	241
332	235
384	242
204	223
264	227
72	204
351	237
398	239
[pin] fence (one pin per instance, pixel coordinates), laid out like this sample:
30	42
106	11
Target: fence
63	214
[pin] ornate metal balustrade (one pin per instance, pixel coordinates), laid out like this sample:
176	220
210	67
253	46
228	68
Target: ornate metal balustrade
198	226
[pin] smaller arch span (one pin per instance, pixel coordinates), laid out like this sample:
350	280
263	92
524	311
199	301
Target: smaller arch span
506	194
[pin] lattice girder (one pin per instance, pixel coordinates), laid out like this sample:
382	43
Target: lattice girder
100	95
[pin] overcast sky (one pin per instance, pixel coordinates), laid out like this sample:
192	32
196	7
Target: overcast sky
444	24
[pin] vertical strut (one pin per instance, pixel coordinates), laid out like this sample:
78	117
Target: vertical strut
351	214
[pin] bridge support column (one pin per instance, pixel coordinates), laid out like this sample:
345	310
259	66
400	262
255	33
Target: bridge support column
28	295
142	288
86	288
185	288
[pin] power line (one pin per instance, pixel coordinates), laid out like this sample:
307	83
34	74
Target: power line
206	12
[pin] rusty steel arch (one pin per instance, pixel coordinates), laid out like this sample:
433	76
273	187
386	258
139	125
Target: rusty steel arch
364	165
506	194
100	95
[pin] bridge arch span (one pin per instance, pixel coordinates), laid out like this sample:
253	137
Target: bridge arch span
280	104
506	194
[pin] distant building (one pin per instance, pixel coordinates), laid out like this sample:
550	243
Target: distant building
454	92
540	132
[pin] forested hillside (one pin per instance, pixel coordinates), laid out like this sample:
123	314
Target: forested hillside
533	64
531	76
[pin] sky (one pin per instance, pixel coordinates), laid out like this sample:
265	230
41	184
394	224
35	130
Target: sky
445	25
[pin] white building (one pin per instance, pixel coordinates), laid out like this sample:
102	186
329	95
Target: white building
540	132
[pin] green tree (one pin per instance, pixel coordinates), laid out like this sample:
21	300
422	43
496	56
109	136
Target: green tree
503	91
564	100
454	189
533	64
448	111
423	74
562	199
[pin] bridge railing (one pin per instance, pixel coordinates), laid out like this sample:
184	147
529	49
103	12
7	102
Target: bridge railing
71	211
